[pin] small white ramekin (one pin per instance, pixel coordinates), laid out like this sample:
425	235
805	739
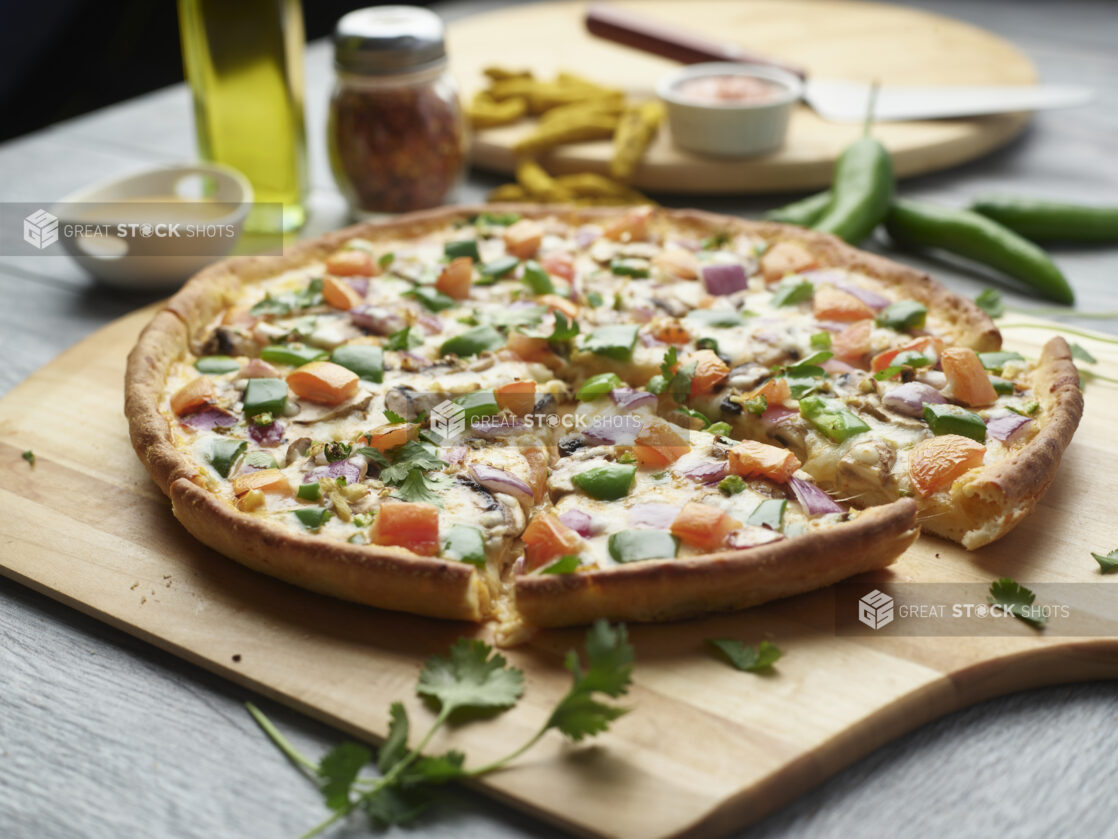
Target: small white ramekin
731	129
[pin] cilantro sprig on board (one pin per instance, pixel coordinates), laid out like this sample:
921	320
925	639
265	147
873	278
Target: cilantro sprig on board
471	681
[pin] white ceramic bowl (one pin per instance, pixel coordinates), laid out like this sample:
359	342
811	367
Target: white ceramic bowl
208	201
729	129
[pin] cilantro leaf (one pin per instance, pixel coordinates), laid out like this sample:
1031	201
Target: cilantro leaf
747	658
471	676
29	456
420	487
393	417
403	339
1108	562
609	671
437	769
338	770
564	331
411	455
1017	600
1078	352
989	300
396	743
390	806
668	365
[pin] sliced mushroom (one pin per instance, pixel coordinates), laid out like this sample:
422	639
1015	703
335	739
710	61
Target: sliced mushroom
297	450
310	412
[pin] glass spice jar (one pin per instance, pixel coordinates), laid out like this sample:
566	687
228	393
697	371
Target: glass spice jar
397	136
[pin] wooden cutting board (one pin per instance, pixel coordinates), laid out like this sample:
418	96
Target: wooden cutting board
829	38
706	748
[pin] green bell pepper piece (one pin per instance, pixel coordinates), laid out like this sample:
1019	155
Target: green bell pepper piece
365	360
224	453
769	513
265	396
473	341
616	341
995	361
566	564
606	483
638	545
215	365
480	403
294	354
903	315
497	268
599	385
463	247
432	299
793	290
464	543
260	460
831	419
951	419
309	492
312	518
636	268
537	279
1003	387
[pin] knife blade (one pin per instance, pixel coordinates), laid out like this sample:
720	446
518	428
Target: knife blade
837	100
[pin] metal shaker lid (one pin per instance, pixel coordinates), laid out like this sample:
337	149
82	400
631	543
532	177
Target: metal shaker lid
382	40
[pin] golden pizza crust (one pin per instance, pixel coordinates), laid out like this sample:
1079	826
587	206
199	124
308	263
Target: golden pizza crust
985	506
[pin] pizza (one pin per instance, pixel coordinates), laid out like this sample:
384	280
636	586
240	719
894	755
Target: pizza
544	415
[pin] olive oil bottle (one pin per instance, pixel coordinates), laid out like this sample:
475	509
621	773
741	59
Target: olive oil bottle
244	63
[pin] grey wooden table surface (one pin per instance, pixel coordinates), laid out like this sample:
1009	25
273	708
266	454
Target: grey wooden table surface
103	736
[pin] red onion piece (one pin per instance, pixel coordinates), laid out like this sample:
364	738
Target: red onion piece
641	314
430	323
834	365
376	320
778	415
750	536
266	435
587	235
693	245
1006	427
629	400
619	429
499	426
707	472
582	523
655	516
724	278
353	470
870	298
498	480
909	399
208	419
360	285
454	455
814	500
824	275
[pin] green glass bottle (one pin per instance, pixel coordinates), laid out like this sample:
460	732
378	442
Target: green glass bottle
244	63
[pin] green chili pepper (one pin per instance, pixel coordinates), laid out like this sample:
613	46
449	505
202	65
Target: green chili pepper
792	290
997	360
913	224
860	192
951	419
831	419
480	403
365	360
463	247
265	396
473	341
638	545
312	518
309	492
903	315
606	483
1045	221
537	279
215	365
294	354
769	513
464	543
599	385
224	453
616	341
804	212
636	268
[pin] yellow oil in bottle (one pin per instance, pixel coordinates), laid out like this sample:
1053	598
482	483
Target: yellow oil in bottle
244	63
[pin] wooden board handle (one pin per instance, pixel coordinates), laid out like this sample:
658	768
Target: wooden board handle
626	28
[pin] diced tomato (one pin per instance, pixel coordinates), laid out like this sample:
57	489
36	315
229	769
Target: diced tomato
340	294
631	227
518	397
529	348
659	445
785	258
258	368
559	265
831	303
925	345
265	480
195	394
671	332
351	263
853	342
407	525
388	437
759	460
546	539
555	303
775	391
710	372
456	278
324	382
967	380
702	526
523	238
678	263
936	462
537	471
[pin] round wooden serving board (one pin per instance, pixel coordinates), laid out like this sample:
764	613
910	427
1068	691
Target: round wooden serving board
829	38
